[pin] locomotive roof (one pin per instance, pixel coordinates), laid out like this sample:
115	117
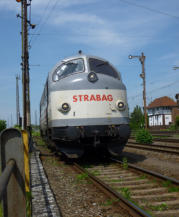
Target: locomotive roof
82	56
77	57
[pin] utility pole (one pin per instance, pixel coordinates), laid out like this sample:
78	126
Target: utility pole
17	101
36	117
11	121
142	75
25	59
25	64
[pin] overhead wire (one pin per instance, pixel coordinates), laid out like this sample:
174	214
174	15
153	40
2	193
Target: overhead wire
40	21
154	90
43	20
150	9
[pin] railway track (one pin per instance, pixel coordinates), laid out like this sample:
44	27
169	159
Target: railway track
141	192
170	149
164	132
168	140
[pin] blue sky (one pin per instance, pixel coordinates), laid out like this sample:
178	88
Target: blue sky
109	29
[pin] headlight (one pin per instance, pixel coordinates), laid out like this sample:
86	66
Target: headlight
65	107
120	105
92	77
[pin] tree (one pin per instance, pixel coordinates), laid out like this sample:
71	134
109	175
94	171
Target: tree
2	125
137	120
177	121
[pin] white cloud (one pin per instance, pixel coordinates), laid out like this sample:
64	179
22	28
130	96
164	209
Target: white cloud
75	18
61	3
39	5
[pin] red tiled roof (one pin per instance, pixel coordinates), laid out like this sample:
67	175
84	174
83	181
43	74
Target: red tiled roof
162	101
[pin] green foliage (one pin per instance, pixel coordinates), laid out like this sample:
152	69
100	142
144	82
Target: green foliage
160	207
166	183
28	204
137	118
141	177
2	125
124	163
126	193
144	137
175	126
82	176
177	121
95	173
173	189
172	127
17	127
36	133
1	211
110	202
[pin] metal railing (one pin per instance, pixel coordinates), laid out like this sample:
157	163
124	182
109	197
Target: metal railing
4	179
12	179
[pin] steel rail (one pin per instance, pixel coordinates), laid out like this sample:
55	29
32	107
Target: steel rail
134	210
142	146
164	132
156	145
170	140
155	174
5	176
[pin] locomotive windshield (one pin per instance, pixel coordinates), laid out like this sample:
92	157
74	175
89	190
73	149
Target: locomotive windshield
68	68
102	67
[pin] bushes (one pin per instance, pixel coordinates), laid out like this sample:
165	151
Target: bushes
2	125
175	126
177	121
137	119
144	137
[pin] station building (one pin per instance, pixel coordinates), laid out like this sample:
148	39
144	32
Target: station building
162	112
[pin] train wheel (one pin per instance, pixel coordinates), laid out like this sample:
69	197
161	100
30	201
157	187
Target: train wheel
115	147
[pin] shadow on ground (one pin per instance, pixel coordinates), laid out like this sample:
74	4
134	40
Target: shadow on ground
132	157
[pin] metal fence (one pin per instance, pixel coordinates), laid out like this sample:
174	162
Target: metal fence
12	179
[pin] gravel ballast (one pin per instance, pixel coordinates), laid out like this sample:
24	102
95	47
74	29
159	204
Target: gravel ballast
76	196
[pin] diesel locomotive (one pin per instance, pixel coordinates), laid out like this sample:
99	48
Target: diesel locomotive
84	105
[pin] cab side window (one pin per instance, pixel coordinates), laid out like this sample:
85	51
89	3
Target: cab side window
102	67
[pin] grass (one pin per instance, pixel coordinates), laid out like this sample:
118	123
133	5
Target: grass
125	192
81	177
173	189
124	163
170	186
28	204
36	133
109	202
160	207
40	141
1	211
141	177
95	173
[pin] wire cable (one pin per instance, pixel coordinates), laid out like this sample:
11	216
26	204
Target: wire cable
154	90
44	20
150	9
40	21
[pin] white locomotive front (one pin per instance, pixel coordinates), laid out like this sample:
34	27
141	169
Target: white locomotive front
84	104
